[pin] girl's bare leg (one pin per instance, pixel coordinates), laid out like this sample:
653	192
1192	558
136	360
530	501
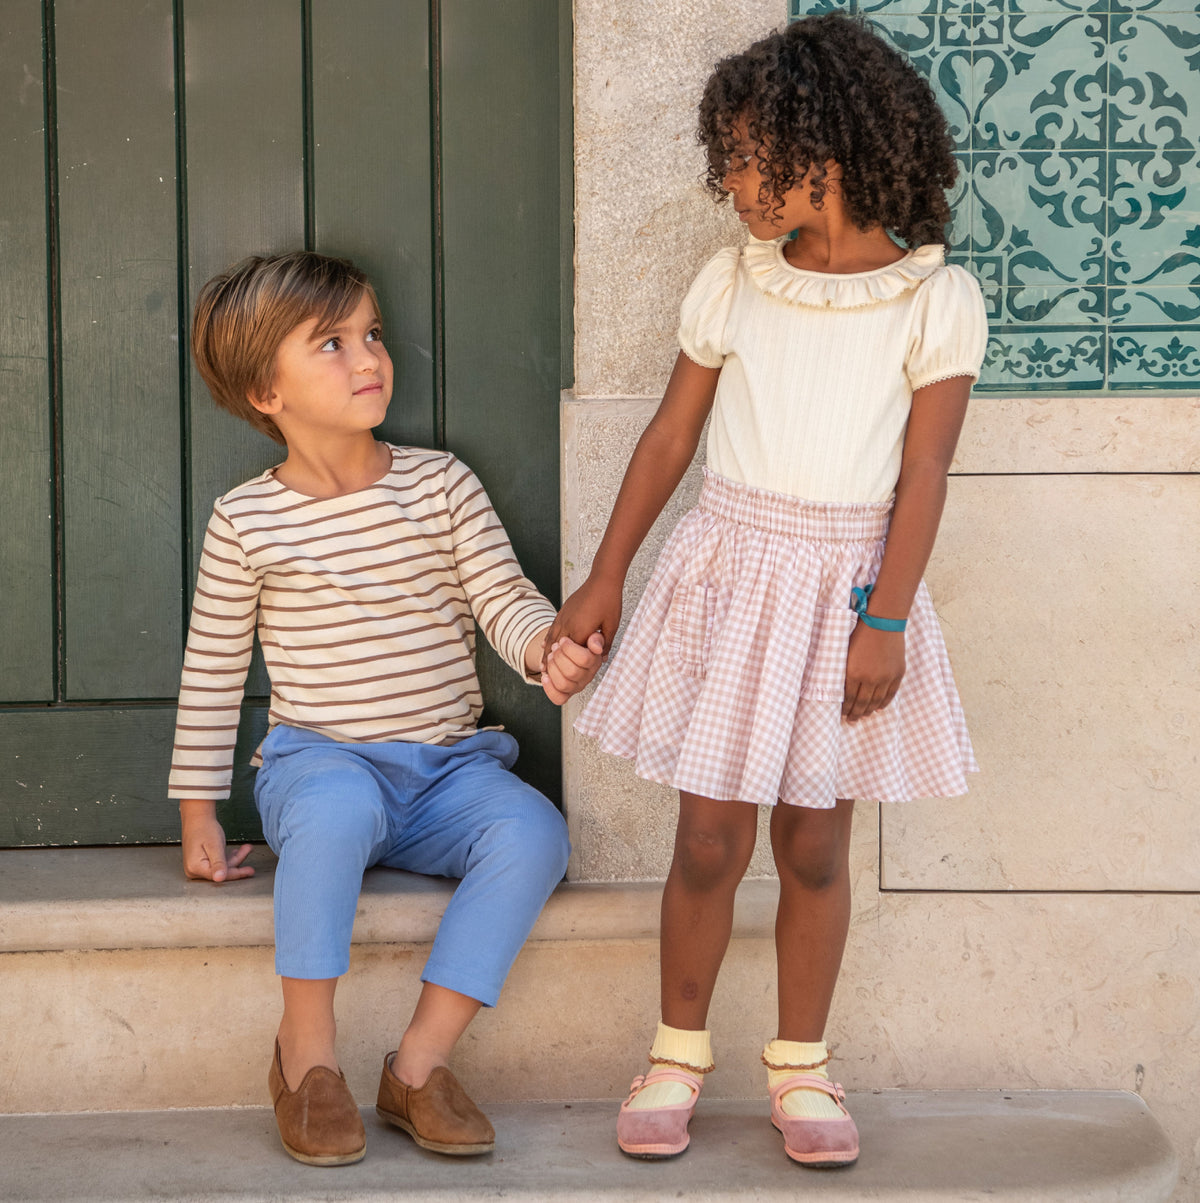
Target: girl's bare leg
812	854
713	845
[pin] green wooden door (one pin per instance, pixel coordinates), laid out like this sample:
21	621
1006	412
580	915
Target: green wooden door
161	141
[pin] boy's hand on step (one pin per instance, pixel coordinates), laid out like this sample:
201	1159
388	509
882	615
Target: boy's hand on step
205	856
568	666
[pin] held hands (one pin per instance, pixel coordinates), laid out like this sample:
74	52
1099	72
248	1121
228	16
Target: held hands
594	607
874	670
204	854
567	666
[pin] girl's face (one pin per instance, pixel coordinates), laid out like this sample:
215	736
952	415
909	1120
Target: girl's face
754	199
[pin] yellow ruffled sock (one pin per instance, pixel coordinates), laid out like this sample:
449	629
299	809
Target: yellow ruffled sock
803	1103
691	1052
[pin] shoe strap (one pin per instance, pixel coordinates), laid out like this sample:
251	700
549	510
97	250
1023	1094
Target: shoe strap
808	1082
661	1074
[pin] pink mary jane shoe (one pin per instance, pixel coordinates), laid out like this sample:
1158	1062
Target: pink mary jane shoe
655	1132
815	1142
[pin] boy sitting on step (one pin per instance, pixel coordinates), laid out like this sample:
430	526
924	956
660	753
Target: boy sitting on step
365	567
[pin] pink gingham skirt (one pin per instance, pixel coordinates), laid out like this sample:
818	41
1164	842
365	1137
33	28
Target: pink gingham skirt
729	680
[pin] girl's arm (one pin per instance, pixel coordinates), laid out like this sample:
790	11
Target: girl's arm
659	461
875	663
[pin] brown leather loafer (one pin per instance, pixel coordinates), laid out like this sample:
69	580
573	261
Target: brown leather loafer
439	1116
319	1122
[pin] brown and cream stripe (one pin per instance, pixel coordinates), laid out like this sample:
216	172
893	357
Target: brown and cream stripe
365	607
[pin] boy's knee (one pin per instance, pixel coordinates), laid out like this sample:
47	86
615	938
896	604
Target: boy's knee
339	813
544	831
536	833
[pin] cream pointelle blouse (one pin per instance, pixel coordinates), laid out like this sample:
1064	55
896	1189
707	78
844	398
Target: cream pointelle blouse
818	370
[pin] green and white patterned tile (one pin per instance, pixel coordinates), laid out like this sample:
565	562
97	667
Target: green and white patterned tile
1039	306
1149	189
799	8
1041	81
893	8
1149	358
1078	128
1154	235
1154	81
1053	358
1154	6
962	204
1041	216
1143	306
940	48
1058	6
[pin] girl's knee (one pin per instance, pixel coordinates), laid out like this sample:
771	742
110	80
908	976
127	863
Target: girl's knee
711	855
814	856
815	874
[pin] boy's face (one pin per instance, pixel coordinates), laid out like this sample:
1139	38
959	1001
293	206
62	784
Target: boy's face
335	382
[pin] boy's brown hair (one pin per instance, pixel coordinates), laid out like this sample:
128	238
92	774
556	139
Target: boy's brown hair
243	314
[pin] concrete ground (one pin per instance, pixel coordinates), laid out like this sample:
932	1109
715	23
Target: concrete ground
1010	1147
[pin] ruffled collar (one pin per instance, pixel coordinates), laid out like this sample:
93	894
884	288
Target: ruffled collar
775	276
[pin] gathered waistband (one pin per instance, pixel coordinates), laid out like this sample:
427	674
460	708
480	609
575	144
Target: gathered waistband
829	521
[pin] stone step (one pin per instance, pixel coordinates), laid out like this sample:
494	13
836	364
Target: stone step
166	989
918	1146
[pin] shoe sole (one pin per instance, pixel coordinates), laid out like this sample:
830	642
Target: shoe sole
656	1153
325	1159
818	1161
435	1146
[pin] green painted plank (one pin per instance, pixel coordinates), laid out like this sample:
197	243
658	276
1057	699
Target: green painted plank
503	332
371	172
244	114
26	536
500	204
117	224
98	775
245	192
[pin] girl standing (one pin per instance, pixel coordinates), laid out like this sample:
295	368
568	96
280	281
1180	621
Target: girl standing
786	650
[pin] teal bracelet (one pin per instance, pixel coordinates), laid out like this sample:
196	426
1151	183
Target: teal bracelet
858	603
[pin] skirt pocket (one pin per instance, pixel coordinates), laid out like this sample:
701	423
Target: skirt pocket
689	628
825	667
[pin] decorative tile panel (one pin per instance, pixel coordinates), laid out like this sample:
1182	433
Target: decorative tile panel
1077	130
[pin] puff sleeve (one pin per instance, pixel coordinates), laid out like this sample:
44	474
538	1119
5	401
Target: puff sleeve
705	309
949	331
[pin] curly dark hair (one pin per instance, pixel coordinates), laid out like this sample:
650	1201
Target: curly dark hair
827	88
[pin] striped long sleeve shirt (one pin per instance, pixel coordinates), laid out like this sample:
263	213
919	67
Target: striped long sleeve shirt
365	607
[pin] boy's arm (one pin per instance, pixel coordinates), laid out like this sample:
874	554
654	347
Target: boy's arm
204	853
510	611
220	640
